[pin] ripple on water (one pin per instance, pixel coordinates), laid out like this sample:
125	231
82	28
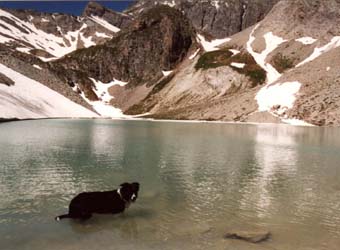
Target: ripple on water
197	181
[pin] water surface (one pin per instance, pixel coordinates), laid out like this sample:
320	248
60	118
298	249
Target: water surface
198	180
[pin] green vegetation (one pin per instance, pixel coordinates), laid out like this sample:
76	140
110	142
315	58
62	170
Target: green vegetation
214	59
251	69
282	63
224	57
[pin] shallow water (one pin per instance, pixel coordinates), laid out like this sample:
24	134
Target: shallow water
198	180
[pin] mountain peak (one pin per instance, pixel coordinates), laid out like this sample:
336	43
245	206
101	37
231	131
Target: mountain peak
95	9
112	17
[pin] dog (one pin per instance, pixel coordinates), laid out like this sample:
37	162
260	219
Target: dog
108	202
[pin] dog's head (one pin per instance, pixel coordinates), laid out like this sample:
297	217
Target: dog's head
129	191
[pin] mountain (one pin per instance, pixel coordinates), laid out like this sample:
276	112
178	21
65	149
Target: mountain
29	38
172	59
157	42
280	70
213	18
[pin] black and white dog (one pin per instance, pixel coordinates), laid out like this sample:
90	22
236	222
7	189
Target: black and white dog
109	202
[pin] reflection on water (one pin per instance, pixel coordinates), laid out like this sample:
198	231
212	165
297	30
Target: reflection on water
197	181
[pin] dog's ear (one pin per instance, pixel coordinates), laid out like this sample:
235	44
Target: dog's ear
124	184
135	186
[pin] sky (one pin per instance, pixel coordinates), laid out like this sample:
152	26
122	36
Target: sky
69	7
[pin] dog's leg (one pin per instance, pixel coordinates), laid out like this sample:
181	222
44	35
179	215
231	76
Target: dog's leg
85	216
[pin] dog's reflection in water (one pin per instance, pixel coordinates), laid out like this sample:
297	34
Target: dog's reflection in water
126	225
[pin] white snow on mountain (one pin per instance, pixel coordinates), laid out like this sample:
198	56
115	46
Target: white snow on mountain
37	66
238	65
334	43
194	55
211	45
103	106
171	4
272	42
282	95
234	51
31	37
105	24
306	40
166	73
28	98
100	34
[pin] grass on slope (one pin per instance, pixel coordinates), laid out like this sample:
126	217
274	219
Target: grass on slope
215	59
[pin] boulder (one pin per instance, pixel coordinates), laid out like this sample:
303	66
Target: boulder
249	236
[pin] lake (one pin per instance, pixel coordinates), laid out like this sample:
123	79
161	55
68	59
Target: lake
198	181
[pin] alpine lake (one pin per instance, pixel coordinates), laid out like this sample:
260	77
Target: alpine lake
198	181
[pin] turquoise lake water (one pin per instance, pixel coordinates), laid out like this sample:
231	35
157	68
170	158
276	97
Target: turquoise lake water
198	181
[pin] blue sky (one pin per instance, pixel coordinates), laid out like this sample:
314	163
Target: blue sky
69	7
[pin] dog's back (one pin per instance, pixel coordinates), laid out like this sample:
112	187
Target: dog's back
98	202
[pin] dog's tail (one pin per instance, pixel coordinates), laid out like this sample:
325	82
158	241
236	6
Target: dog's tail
58	218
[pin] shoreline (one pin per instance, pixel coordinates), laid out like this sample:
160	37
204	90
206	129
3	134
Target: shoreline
6	120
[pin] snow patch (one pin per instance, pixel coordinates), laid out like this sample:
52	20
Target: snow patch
87	41
238	65
334	43
171	4
212	45
100	34
104	109
166	73
282	95
328	69
31	99
306	40
216	4
105	24
37	66
24	50
296	122
194	55
272	42
234	51
103	106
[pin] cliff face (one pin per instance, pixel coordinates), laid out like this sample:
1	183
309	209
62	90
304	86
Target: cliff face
157	41
217	18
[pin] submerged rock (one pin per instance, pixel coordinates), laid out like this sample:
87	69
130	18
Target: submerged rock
249	236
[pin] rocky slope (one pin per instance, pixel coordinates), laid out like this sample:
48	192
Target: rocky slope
214	18
297	57
24	98
29	38
156	43
166	65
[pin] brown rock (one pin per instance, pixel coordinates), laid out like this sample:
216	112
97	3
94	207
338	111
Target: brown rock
249	236
5	80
